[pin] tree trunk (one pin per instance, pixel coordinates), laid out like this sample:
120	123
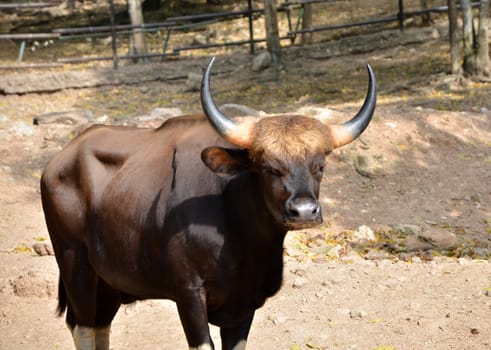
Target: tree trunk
482	57
139	45
469	54
307	24
454	38
272	36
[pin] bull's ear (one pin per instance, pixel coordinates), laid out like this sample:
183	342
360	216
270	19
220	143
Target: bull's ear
226	161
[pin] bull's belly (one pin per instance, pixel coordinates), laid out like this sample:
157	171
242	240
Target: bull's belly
131	277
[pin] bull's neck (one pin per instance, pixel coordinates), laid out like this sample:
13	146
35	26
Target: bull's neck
249	209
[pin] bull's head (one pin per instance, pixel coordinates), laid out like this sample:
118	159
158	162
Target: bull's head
286	151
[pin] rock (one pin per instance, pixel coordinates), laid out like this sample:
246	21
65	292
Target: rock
75	117
236	110
199	39
406	230
364	233
21	128
6	168
439	238
102	119
42	249
475	330
278	319
165	113
343	312
415	244
323	114
193	83
299	272
358	314
261	61
300	282
435	34
374	254
364	166
335	252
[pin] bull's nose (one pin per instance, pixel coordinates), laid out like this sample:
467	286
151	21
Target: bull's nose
304	209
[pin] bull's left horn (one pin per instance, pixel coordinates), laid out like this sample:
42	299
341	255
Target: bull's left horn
342	134
234	132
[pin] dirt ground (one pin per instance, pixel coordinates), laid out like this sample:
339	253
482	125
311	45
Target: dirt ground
402	259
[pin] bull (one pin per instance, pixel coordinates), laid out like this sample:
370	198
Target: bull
195	211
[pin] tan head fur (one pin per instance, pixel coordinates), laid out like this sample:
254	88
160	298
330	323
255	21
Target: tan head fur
289	136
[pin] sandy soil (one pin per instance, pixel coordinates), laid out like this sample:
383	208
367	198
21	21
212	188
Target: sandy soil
416	275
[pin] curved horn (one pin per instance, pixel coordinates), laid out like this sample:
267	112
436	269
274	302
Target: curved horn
342	134
237	133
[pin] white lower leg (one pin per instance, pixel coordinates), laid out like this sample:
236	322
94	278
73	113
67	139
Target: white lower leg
84	338
202	347
240	345
102	338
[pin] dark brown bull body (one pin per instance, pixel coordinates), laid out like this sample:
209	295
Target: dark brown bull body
137	214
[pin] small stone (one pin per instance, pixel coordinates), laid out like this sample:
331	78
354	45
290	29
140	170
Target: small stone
299	282
261	61
364	166
435	34
364	233
277	319
237	110
199	40
193	83
415	244
102	119
42	249
72	117
335	252
406	229
439	238
22	129
357	314
299	272
475	331
165	112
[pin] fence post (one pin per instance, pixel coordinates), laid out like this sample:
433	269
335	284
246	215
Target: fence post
401	15
251	29
113	35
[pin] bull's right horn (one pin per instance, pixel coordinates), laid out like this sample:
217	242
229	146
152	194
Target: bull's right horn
234	132
342	134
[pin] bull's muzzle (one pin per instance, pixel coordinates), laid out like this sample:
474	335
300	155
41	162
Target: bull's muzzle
303	212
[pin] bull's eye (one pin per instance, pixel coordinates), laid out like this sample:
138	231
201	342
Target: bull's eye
318	169
273	171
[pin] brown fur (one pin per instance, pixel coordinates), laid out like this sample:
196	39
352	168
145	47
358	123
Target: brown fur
289	137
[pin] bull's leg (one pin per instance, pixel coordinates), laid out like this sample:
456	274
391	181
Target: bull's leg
88	338
102	338
236	338
80	284
194	319
108	303
84	338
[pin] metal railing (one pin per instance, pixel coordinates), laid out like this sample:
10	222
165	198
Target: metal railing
180	23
